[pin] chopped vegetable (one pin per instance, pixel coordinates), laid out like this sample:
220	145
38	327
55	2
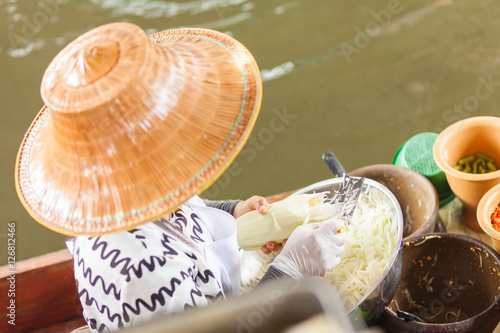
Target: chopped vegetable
476	163
456	315
495	218
255	230
368	248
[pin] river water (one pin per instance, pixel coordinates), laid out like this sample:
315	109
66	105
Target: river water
357	78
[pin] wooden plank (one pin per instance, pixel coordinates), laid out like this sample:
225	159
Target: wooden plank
52	258
43	290
67	326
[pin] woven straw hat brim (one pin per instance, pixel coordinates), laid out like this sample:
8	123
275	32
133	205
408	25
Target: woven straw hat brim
143	125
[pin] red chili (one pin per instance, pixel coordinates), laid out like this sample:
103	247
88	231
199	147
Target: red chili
495	218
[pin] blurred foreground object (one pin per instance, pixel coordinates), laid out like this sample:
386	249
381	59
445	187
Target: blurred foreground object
270	308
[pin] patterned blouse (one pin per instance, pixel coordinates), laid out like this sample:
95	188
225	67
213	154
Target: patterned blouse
157	269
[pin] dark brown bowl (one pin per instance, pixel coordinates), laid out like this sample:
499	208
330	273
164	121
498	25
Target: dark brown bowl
415	193
451	282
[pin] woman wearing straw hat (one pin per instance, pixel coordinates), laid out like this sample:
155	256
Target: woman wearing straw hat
132	129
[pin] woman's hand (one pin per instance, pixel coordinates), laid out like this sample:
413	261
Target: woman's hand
262	206
256	202
312	249
272	247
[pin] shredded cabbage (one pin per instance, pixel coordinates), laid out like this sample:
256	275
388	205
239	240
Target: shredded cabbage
368	247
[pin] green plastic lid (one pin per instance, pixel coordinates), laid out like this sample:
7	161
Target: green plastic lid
416	154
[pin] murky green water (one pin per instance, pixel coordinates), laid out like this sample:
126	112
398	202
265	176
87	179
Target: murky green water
354	77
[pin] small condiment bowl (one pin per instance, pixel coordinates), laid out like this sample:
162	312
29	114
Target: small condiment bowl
463	138
487	205
449	281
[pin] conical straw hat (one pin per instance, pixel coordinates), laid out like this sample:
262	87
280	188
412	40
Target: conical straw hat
133	126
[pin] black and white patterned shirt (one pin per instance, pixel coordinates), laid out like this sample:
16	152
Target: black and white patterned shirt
157	269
